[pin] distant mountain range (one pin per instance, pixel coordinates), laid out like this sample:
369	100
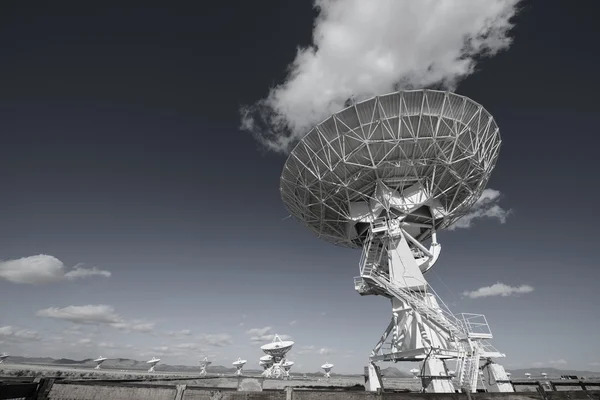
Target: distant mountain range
551	373
134	365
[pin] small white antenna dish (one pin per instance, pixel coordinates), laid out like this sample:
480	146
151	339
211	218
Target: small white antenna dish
287	365
527	375
203	365
3	357
277	350
327	368
415	372
544	375
267	363
152	363
239	365
99	362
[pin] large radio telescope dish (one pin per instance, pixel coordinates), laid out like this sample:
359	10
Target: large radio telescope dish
277	348
422	154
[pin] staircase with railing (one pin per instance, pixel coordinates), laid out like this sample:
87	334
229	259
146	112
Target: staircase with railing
374	280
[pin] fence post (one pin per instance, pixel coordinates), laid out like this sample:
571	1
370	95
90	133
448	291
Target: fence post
289	393
180	390
44	388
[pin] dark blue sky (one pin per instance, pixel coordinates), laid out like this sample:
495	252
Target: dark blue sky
121	149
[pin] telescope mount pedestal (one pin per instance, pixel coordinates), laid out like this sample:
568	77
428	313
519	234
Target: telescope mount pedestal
392	265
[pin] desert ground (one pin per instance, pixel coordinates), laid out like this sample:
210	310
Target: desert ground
213	380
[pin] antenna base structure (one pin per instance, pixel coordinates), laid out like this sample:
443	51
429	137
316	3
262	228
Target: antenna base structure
420	329
373	379
385	175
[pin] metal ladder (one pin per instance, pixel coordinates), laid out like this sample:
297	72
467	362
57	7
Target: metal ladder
468	373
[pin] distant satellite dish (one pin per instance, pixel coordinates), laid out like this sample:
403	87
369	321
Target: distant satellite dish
203	365
99	362
3	357
528	375
239	365
415	372
287	365
152	362
327	368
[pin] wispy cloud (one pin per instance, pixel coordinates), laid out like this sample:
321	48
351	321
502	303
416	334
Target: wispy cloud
325	351
10	333
486	207
305	349
97	315
264	335
216	339
180	333
365	48
44	269
498	289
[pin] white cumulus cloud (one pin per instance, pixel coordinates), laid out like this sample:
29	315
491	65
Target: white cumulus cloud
485	207
363	48
43	269
498	289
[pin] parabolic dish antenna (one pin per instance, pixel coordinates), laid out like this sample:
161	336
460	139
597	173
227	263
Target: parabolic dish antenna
239	365
99	362
386	174
152	362
327	368
277	348
267	363
287	365
3	357
415	372
203	365
423	155
267	359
